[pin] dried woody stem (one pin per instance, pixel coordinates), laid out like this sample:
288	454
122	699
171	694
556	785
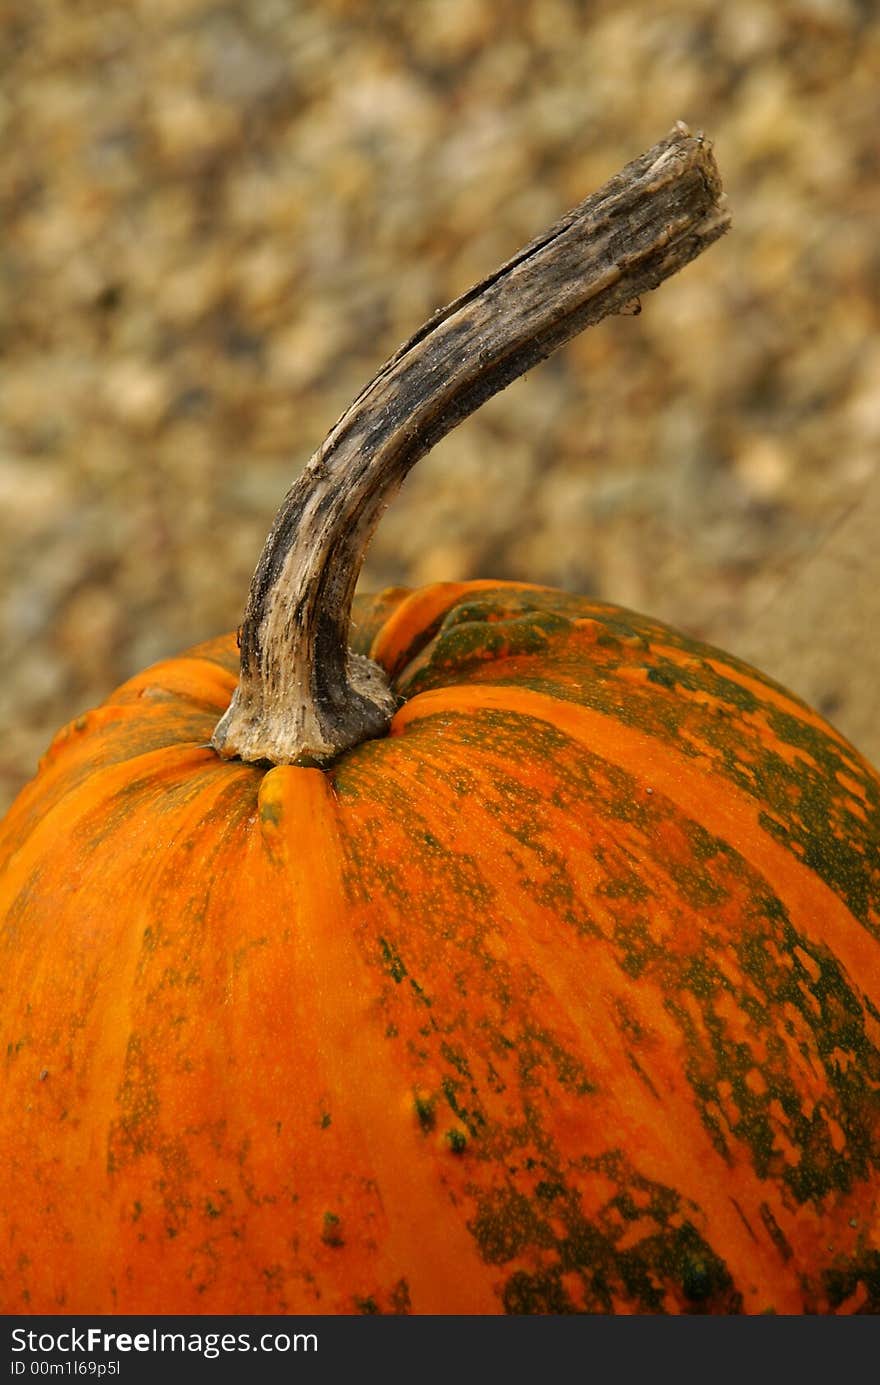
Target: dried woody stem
303	697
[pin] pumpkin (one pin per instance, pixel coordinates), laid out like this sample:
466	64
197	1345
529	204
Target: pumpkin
521	958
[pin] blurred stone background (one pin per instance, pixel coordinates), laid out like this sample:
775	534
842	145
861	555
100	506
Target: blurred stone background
219	219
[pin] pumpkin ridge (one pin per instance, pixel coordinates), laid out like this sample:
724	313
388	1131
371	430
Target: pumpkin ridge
817	791
418	617
109	779
732	818
446	1278
197	680
85	978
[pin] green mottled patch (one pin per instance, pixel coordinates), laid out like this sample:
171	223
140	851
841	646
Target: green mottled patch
459	644
425	1113
512	622
775	1231
134	1131
581	1265
793	1010
400	1297
456	1057
392	961
471	1117
858	1277
419	993
636	946
547	1191
694	884
331	1231
506	1224
667	675
271	811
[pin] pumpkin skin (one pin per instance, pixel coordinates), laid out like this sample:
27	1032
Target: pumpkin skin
562	997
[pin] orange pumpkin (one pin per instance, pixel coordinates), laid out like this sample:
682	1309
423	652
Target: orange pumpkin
562	995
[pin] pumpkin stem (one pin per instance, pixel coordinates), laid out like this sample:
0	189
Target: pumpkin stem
303	697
